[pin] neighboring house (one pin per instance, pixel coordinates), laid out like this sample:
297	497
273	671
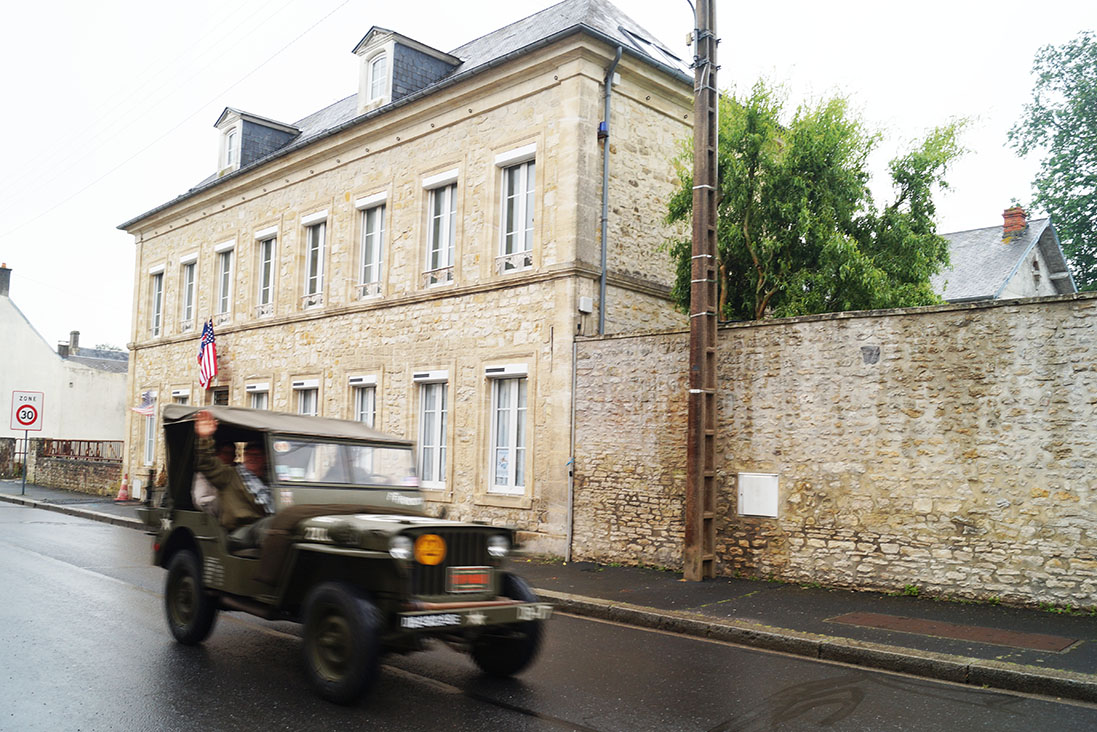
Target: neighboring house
1021	258
83	389
421	255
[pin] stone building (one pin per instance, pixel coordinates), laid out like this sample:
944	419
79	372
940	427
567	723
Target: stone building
83	388
1020	258
422	254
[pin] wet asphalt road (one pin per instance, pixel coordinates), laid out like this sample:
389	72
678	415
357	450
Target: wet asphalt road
83	646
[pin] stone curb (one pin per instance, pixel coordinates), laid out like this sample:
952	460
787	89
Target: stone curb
937	666
107	518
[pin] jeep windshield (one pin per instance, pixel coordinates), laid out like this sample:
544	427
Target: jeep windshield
303	461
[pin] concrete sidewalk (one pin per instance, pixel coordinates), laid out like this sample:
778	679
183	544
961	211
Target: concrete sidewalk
1019	649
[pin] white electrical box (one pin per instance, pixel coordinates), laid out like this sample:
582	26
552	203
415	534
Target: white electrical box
758	494
586	305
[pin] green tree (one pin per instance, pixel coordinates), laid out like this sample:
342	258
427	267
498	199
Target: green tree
797	229
1061	121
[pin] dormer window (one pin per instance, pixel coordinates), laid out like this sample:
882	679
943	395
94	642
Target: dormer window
246	138
393	66
378	77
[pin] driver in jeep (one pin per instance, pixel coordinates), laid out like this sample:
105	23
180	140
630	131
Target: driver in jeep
247	506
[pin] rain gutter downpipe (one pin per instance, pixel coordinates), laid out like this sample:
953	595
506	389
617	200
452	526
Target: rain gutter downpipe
603	132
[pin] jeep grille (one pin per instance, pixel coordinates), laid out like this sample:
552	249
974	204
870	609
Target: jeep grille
463	549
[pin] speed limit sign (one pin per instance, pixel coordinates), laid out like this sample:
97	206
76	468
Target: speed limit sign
26	410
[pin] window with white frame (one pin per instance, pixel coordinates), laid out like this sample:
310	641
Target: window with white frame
259	399
365	404
508	435
150	439
307	402
315	232
516	226
232	147
187	295
308	396
156	306
224	284
441	228
264	296
180	396
378	77
432	435
373	238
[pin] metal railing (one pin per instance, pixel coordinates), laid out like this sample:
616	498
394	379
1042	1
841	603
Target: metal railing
100	450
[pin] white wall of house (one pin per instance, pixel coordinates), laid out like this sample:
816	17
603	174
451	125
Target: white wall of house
79	402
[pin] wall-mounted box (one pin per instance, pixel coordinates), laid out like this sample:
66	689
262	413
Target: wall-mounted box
758	494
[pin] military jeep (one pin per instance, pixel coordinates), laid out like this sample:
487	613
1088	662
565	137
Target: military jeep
351	554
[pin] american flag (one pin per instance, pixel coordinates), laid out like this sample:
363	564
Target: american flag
207	356
148	404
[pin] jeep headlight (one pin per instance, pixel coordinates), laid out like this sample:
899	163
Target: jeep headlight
498	546
400	547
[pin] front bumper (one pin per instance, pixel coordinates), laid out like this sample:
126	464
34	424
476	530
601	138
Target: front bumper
444	617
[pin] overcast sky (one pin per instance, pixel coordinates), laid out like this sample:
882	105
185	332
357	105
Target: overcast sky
108	108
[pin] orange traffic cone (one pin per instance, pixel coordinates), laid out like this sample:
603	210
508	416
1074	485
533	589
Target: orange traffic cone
124	491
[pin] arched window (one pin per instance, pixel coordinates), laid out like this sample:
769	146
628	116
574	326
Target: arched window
231	148
378	77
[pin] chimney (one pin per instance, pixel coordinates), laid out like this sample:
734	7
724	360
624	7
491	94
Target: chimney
74	341
1013	221
62	349
5	279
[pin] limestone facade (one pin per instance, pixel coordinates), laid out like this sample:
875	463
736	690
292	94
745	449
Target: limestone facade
541	107
948	448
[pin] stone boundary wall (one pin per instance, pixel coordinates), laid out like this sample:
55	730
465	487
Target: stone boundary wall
947	448
96	477
8	451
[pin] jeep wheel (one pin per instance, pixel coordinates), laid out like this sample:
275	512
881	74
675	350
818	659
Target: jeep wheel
507	649
341	642
190	610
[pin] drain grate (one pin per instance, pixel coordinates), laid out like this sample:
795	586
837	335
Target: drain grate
976	633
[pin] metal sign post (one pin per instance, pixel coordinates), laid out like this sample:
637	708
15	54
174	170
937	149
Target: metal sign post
26	442
26	415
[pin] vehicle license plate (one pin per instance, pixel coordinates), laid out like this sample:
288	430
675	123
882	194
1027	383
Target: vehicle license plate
468	579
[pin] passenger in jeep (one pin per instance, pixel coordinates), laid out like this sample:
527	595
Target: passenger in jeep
246	502
203	494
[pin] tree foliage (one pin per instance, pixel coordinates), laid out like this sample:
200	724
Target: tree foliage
1061	121
798	231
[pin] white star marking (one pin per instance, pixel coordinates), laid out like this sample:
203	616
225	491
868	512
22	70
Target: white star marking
476	618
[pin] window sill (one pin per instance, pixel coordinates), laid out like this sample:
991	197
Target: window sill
502	500
436	495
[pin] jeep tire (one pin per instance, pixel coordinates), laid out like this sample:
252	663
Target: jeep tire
190	610
341	647
507	649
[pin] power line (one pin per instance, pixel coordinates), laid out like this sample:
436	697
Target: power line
114	131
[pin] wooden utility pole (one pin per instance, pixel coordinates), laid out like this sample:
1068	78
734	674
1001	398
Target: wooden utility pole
699	552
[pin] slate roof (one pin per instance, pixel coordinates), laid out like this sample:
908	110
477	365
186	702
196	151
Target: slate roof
114	362
598	18
982	262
